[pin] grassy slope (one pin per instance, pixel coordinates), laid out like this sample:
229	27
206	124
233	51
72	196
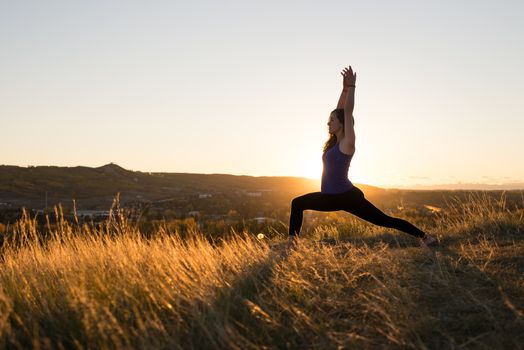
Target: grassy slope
371	287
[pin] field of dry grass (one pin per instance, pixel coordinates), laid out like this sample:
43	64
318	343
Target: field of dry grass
361	286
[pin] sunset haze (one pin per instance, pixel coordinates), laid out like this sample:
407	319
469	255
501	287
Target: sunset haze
246	88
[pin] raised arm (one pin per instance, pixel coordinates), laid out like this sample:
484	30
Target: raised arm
349	103
342	98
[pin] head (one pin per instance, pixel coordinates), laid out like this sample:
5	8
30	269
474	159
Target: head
336	121
335	124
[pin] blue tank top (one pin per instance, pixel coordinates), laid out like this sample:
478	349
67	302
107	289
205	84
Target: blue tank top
335	172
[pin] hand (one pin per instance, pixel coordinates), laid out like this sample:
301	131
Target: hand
349	78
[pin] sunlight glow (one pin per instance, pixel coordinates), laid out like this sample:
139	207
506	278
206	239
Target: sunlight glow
311	168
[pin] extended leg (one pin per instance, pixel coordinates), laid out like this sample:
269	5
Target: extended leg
313	201
361	207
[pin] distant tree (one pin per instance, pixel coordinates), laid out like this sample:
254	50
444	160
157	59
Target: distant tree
233	214
169	213
189	224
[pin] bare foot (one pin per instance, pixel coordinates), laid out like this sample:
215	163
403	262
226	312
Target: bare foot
428	240
292	242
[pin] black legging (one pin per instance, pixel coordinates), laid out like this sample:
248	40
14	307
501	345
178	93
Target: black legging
353	202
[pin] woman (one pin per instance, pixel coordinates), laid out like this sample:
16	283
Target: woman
337	192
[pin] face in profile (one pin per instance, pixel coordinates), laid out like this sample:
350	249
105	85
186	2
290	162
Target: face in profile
334	125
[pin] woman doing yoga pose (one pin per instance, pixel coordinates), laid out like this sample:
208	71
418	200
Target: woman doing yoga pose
337	192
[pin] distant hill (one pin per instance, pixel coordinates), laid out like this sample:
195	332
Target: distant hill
467	186
96	187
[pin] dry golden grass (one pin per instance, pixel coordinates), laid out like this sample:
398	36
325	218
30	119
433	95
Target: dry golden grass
81	287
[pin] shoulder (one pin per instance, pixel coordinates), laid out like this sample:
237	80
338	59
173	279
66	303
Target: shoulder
347	147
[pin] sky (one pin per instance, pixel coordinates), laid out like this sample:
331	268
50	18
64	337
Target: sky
246	87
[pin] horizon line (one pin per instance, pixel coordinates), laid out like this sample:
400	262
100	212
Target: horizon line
437	186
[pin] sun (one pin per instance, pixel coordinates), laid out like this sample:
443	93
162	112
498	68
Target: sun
311	169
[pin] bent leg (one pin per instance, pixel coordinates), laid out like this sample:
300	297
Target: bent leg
358	205
313	201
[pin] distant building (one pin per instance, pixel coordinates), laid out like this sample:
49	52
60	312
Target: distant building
166	200
254	194
172	188
92	213
263	220
205	195
193	213
217	217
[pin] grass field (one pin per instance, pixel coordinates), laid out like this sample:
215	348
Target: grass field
362	287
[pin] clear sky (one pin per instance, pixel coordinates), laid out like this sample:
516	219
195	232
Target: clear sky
246	87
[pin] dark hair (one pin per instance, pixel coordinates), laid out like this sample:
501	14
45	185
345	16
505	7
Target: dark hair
339	113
